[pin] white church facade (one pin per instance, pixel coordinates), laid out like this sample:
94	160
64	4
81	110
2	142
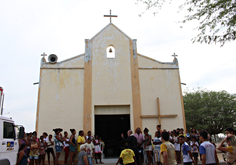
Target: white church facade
109	95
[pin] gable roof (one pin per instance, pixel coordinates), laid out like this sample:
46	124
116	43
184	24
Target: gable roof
110	24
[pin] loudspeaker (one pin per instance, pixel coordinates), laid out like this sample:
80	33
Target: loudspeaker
52	58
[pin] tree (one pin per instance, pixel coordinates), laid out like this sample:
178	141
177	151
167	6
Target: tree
217	18
210	110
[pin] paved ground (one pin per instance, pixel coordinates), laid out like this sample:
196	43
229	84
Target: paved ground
114	160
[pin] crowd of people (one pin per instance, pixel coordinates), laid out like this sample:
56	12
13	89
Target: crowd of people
167	147
35	149
176	147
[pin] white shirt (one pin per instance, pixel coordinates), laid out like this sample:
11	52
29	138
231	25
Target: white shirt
66	144
209	150
186	156
157	146
49	143
45	139
177	145
194	148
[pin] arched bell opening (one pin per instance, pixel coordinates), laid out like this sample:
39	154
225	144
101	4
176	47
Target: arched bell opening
110	52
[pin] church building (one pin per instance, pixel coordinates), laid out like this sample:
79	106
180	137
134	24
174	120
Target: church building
108	90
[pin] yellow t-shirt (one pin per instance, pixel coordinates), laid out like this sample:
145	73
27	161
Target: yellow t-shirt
127	156
183	135
79	140
231	155
230	149
170	149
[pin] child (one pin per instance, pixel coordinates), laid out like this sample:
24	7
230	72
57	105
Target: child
97	149
177	148
157	142
195	147
42	153
90	150
102	145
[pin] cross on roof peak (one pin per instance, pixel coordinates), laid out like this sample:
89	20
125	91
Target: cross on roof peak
174	55
110	16
43	54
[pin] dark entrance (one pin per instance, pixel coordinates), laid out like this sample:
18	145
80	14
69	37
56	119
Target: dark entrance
109	128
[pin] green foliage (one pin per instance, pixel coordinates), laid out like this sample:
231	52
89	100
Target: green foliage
210	110
217	18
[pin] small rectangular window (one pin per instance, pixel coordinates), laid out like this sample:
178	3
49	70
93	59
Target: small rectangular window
8	130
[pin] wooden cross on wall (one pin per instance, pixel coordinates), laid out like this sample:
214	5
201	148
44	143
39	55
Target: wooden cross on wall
159	116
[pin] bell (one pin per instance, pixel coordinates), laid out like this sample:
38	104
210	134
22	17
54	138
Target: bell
110	50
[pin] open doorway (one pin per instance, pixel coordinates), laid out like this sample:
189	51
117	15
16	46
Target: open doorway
109	128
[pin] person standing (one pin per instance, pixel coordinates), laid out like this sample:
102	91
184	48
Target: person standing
72	146
66	143
34	151
194	134
42	149
195	148
128	156
177	147
231	149
132	144
35	134
140	139
89	136
50	144
22	156
89	151
157	142
80	139
167	150
29	136
187	133
148	145
158	127
58	143
187	155
45	138
182	132
24	140
207	150
102	145
98	151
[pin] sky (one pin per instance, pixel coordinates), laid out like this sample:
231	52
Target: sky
29	28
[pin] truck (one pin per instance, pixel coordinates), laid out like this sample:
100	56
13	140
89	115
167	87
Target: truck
8	141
